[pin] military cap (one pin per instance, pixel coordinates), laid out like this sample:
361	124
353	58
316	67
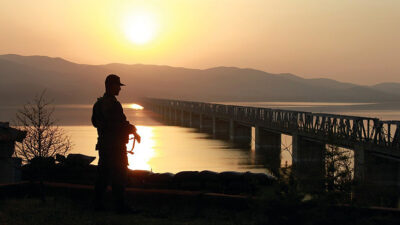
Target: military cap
113	79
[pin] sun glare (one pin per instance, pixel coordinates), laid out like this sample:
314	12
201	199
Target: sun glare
144	151
136	106
140	28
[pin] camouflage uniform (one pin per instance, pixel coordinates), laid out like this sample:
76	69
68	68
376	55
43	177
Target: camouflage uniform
113	129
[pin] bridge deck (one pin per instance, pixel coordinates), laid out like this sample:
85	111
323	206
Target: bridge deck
381	137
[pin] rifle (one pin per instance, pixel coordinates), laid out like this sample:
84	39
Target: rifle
135	137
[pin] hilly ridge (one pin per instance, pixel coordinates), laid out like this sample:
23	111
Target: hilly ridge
67	82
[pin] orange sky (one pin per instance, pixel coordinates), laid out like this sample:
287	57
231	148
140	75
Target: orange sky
348	40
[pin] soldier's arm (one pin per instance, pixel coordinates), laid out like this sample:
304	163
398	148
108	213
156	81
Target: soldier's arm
114	115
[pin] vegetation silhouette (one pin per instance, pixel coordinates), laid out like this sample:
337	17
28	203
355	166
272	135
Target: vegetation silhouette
44	139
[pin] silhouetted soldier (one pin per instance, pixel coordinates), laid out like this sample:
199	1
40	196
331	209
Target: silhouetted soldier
113	134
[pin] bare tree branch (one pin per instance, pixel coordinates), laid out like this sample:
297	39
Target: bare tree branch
44	138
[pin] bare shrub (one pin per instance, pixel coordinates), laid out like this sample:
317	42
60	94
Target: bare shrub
44	137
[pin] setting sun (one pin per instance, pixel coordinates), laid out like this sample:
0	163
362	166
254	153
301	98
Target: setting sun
140	28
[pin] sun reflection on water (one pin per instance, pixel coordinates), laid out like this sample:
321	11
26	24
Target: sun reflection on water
144	151
135	106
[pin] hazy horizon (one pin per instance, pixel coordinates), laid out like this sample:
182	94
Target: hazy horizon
190	68
349	41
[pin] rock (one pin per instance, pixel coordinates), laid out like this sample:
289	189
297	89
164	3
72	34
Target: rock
187	180
229	176
263	179
160	179
232	182
186	176
210	180
39	168
9	134
141	174
207	175
60	158
79	160
6	149
138	178
42	162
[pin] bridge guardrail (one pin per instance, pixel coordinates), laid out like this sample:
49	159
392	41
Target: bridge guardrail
343	130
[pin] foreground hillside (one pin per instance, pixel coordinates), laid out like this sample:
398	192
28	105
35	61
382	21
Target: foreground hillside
75	207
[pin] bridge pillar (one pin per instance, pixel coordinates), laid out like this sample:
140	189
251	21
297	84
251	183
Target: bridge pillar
170	114
269	144
214	126
200	121
163	113
206	124
220	128
377	179
194	120
184	118
308	163
239	133
176	119
266	139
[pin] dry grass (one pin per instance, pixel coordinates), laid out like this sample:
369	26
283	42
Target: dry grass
63	211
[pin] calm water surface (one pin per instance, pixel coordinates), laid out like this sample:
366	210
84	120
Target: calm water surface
163	148
173	149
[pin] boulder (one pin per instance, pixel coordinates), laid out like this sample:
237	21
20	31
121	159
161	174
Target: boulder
160	180
188	180
140	174
138	178
79	160
230	176
232	182
42	162
60	158
207	176
210	180
185	176
263	179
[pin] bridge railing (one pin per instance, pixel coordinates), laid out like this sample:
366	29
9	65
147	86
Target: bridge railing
340	129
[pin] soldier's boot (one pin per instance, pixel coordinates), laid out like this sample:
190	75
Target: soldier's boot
98	202
125	209
120	205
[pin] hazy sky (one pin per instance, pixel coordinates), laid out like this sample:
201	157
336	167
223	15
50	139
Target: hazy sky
348	40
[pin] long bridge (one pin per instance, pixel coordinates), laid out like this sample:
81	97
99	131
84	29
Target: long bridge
376	143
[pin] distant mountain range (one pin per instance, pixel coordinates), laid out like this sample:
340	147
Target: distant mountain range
21	77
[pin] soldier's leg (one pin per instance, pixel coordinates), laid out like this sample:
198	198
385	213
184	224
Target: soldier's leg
103	177
118	186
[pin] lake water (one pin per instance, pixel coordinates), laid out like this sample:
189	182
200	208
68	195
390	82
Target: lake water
172	149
